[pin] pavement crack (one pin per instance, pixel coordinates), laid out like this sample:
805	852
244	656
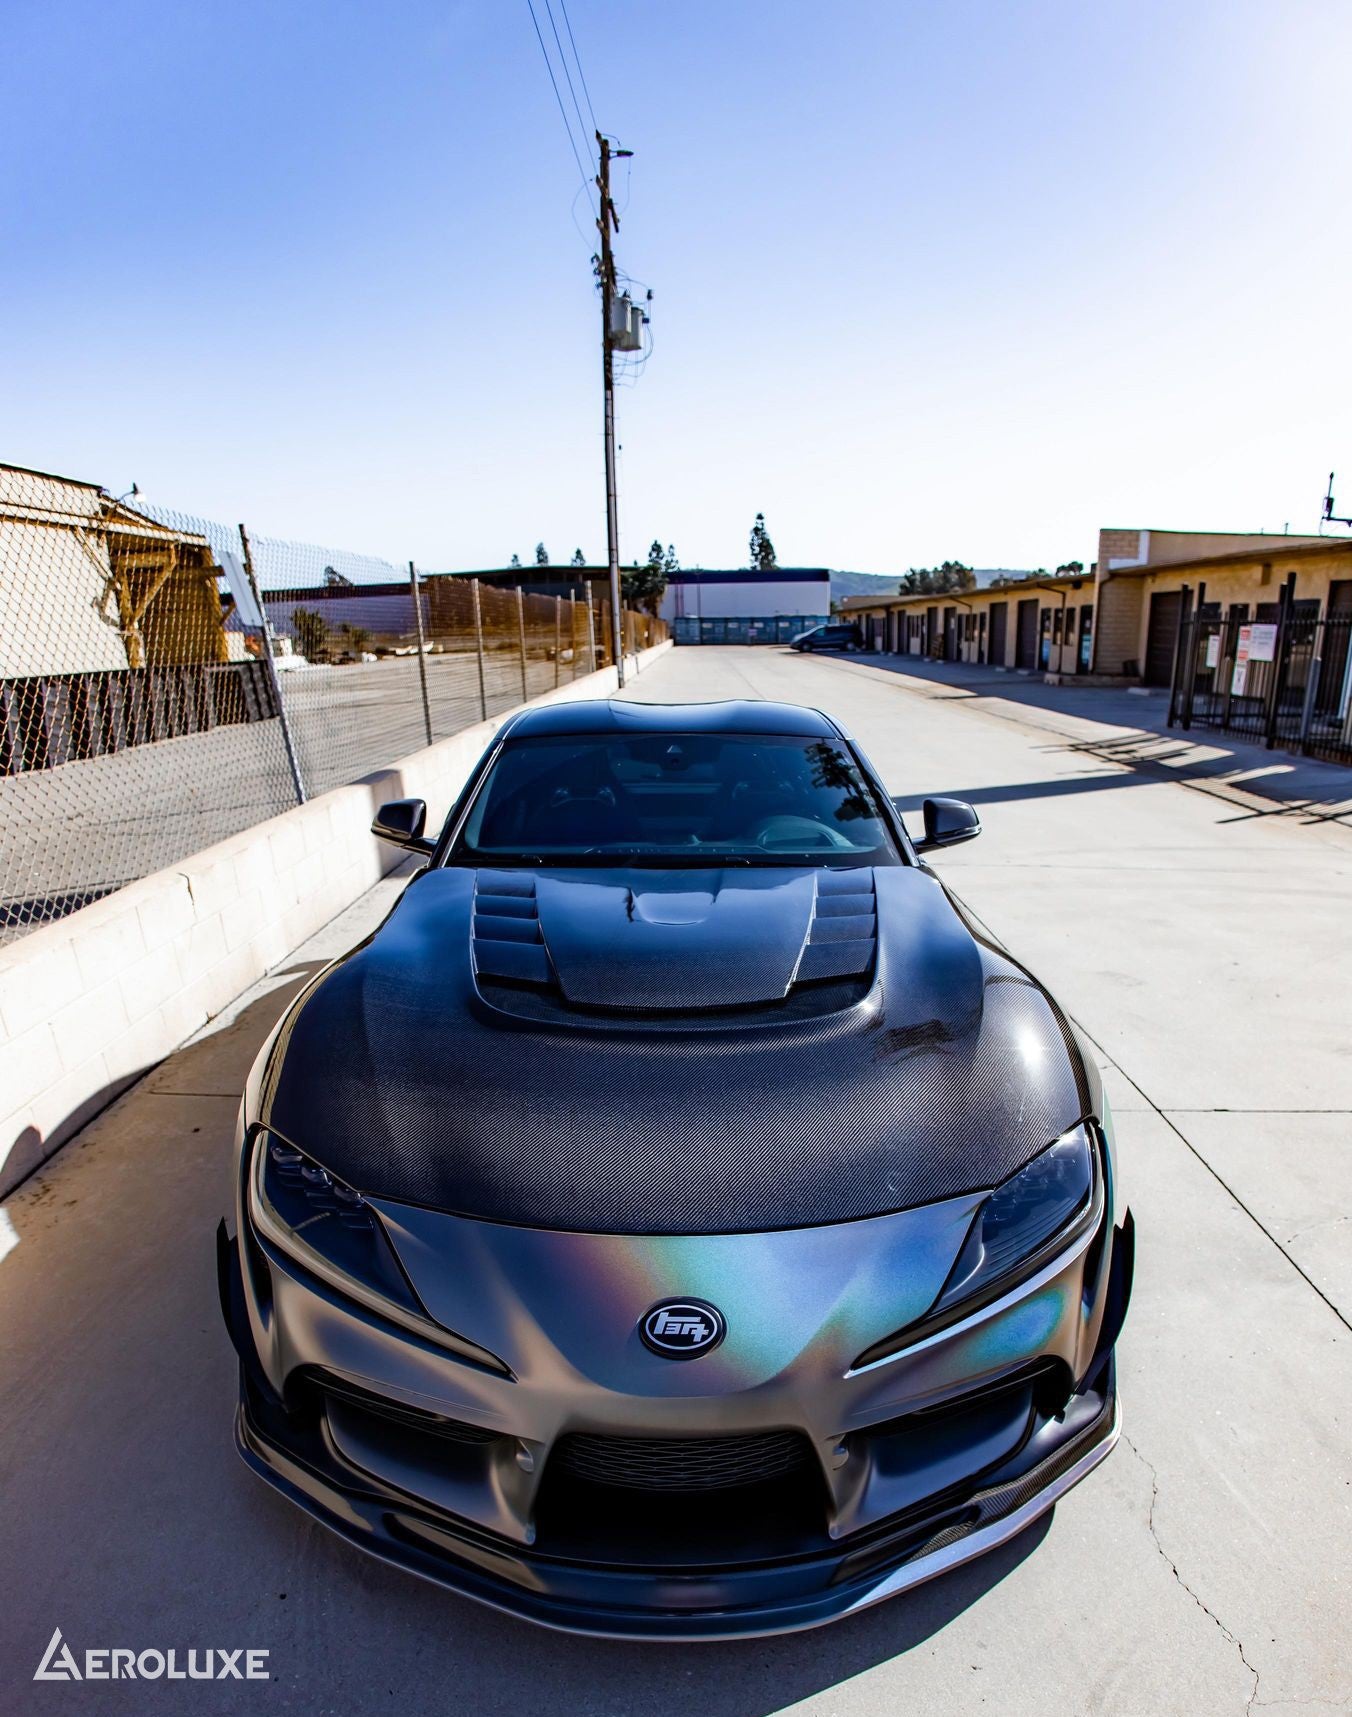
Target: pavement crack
1312	1227
1232	1637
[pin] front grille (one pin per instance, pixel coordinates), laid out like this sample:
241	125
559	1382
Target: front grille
683	1463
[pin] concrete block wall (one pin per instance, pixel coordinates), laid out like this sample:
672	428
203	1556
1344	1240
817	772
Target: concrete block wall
91	1002
1117	604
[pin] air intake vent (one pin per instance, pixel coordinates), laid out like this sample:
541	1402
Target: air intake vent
682	1463
506	939
844	933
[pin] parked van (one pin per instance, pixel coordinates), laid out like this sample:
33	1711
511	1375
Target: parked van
836	636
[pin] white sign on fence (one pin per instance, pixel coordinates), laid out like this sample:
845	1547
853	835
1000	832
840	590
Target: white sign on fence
1240	678
1213	650
1263	643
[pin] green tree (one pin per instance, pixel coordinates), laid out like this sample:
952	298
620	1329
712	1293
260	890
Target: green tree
1008	578
515	560
579	559
541	555
762	549
356	638
670	562
938	580
644	586
1073	566
311	633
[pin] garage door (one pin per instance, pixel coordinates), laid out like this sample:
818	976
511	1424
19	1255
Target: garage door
1025	636
999	620
1161	639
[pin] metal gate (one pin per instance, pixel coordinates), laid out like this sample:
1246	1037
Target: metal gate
1286	682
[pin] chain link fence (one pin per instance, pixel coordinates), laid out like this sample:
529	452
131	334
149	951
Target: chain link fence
166	681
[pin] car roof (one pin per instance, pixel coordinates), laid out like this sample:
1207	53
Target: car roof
734	716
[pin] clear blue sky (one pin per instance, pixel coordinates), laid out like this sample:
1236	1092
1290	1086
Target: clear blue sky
945	279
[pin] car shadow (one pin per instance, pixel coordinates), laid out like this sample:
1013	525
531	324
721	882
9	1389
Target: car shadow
1053	788
733	1678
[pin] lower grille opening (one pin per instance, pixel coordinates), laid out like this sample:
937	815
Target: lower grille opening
671	1502
683	1463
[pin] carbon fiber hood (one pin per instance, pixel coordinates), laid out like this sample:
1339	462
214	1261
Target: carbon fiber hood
704	1052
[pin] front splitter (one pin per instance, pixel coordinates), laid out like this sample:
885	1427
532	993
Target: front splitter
400	1532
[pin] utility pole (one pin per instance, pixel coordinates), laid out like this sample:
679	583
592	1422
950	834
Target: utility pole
607	221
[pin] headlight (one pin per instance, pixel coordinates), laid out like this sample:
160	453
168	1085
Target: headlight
1033	1214
1028	1219
328	1227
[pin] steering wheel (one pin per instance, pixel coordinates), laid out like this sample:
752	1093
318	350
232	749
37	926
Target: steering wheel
804	832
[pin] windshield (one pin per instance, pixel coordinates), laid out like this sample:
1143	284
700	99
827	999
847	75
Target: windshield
674	799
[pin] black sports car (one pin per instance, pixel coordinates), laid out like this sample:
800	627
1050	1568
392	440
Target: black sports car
679	1218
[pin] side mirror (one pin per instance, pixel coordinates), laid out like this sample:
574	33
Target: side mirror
401	823
948	823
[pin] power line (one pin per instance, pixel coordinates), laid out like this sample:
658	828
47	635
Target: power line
563	61
577	59
563	112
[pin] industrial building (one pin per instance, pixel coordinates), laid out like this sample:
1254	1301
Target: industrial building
744	607
1121	619
1039	624
383	611
1143	576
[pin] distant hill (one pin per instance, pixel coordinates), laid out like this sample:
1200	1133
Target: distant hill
845	584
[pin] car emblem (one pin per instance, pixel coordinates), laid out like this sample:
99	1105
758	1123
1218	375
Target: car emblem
682	1329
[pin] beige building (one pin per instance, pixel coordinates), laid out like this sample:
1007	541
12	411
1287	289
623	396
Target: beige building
1034	625
1121	619
1147	578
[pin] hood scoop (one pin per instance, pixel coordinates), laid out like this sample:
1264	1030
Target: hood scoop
697	941
675	940
672	942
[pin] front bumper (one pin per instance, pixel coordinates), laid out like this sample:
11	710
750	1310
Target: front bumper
716	1603
592	1587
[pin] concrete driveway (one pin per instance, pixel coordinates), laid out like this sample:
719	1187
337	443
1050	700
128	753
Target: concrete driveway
1206	1568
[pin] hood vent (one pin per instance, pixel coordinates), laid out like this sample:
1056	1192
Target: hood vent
844	934
506	938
